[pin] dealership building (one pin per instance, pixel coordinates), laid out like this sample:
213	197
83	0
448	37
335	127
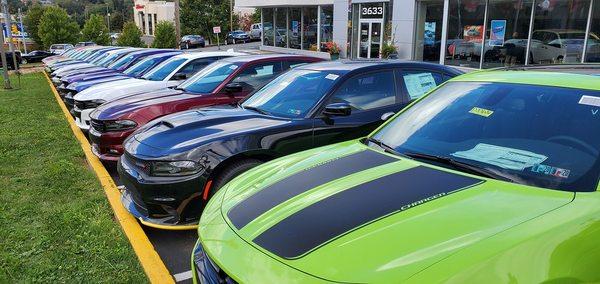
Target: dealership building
146	14
471	33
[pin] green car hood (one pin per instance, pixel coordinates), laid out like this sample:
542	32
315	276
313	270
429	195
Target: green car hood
349	213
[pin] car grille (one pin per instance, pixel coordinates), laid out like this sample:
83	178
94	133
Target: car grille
139	164
98	125
86	104
207	270
70	102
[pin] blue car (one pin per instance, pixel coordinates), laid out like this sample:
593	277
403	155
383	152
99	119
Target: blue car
80	82
172	165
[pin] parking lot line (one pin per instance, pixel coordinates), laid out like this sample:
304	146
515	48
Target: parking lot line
151	262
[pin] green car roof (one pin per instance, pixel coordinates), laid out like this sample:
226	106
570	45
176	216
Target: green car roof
542	78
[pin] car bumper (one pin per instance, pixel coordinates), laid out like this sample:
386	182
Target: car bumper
164	203
82	118
204	270
108	146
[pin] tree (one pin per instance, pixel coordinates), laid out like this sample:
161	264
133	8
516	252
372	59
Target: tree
56	27
95	30
200	16
32	21
131	36
164	36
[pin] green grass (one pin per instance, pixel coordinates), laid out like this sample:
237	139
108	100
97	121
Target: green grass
55	222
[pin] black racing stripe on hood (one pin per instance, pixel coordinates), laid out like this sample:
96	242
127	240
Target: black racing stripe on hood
252	207
350	209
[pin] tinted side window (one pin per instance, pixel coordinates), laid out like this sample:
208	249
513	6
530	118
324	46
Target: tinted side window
418	82
197	65
367	91
258	75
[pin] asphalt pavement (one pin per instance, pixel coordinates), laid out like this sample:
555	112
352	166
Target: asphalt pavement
175	247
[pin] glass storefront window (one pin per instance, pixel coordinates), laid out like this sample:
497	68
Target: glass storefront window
593	44
281	27
294	27
268	36
558	31
430	17
309	29
326	24
507	33
465	32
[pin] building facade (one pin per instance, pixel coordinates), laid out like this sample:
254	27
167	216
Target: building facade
147	14
471	33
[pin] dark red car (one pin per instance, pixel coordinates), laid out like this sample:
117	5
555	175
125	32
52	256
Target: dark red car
226	81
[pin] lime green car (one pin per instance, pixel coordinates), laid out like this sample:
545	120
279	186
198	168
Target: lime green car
490	178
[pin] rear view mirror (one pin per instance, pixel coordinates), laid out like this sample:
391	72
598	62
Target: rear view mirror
179	76
337	109
233	88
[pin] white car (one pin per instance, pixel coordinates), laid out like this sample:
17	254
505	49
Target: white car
168	74
255	31
60	48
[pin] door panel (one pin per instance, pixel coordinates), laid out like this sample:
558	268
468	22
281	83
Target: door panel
370	95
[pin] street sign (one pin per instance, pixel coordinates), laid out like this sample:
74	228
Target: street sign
217	30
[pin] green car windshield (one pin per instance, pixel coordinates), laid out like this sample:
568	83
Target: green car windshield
207	80
292	94
533	135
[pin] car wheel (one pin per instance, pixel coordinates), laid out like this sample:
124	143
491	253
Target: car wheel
233	41
559	60
233	171
23	61
187	45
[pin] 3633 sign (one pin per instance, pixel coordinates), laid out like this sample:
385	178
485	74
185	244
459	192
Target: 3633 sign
371	11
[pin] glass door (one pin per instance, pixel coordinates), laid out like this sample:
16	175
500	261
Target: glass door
375	48
369	45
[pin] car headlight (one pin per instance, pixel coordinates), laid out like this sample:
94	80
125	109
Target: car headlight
119	125
175	168
88	104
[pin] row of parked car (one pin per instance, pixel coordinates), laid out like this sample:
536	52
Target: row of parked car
349	171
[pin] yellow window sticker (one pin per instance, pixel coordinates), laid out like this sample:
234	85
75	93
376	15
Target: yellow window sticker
481	111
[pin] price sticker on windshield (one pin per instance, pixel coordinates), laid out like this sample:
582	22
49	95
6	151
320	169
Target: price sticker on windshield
332	77
481	111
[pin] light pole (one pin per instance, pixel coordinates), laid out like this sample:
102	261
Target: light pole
231	15
177	24
9	32
22	31
108	19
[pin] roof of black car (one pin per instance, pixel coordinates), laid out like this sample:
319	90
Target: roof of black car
584	69
344	66
249	58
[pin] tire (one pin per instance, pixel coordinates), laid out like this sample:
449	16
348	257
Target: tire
24	61
187	45
232	171
233	41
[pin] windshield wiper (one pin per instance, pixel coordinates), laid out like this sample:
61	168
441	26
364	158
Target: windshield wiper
256	109
459	165
385	147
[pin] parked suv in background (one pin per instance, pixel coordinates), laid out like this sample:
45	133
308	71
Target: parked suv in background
237	37
60	48
255	31
192	41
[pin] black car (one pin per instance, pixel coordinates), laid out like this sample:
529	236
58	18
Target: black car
192	41
35	56
174	164
237	37
10	62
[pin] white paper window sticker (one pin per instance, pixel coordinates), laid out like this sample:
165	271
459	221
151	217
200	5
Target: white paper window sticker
332	77
503	157
419	84
590	101
233	67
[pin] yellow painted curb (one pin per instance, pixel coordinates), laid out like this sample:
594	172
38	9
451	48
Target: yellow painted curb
151	262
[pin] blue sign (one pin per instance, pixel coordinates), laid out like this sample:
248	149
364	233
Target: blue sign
497	32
